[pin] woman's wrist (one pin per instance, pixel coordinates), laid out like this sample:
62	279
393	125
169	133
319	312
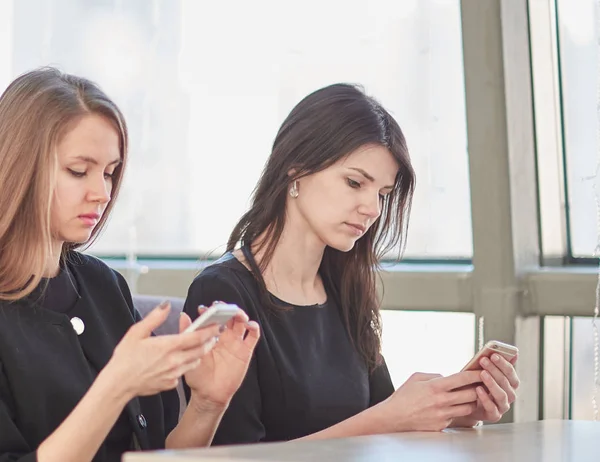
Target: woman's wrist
204	406
383	420
118	386
198	424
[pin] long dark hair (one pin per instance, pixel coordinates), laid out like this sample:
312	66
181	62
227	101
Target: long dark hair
324	127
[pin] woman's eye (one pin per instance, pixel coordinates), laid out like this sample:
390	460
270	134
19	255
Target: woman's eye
353	184
76	174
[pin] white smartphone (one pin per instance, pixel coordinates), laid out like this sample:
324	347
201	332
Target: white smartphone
505	350
217	313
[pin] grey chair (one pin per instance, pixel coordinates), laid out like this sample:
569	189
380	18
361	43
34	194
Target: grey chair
146	303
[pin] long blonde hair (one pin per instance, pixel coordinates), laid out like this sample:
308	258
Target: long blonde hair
36	111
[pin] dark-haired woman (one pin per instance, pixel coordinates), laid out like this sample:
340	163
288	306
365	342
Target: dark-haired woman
333	198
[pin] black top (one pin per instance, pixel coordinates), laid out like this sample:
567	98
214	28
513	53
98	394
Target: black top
60	294
46	368
305	374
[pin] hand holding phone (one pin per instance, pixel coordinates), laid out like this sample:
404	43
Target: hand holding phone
505	350
218	313
499	382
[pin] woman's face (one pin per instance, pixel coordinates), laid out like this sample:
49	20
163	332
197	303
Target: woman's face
339	204
87	158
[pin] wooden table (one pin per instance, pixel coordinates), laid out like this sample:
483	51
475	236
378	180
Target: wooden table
547	441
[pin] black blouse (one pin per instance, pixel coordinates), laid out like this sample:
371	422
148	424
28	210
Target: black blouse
46	366
305	375
60	294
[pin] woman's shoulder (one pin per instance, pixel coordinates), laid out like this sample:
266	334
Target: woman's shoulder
93	271
87	269
227	280
228	270
82	262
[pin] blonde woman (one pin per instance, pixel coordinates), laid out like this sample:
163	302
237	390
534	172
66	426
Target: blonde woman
81	376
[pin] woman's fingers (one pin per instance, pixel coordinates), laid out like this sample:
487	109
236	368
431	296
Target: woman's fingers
508	369
497	393
253	335
500	377
493	414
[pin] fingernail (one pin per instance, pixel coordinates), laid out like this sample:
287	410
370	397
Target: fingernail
164	305
485	362
495	358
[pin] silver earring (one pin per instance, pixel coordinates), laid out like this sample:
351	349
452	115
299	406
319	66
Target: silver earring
294	189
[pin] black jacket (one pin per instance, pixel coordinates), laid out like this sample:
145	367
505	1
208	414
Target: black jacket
45	366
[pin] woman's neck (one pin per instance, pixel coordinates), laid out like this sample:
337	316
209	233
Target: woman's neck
53	263
292	274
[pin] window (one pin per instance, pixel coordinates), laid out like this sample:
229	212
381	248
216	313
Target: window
582	369
569	365
204	91
431	342
578	54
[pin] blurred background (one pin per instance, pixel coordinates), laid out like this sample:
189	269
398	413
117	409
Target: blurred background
504	220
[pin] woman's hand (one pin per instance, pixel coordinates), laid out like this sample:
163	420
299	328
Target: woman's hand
430	402
501	381
146	365
220	372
